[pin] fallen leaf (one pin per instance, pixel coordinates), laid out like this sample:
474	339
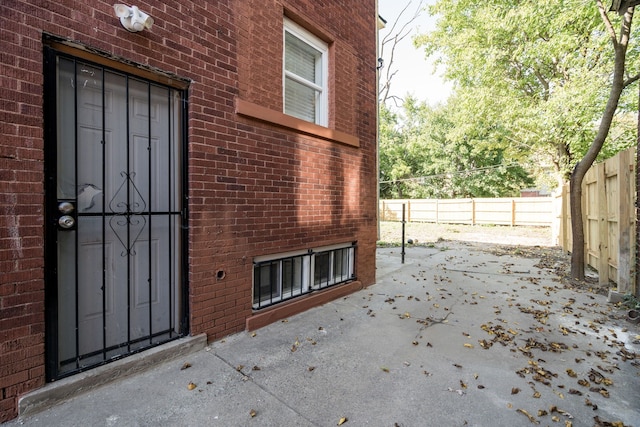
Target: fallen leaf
187	365
252	413
253	335
255	368
531	417
571	373
311	368
554	408
191	386
468	345
342	421
384	369
515	390
462	384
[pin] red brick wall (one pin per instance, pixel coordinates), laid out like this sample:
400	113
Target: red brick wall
254	188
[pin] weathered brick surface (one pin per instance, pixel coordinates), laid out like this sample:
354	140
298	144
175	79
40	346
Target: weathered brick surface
254	188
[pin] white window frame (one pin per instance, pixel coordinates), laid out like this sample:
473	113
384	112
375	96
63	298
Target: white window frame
332	279
322	68
281	294
307	273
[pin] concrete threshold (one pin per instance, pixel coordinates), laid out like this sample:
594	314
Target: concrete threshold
59	391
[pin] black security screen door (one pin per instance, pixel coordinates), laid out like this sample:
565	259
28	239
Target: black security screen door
114	214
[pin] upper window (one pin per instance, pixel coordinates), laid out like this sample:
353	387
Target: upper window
305	74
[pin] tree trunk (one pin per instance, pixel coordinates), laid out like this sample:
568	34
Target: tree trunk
577	224
580	170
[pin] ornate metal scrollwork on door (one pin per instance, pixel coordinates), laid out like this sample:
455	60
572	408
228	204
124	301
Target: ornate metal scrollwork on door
127	213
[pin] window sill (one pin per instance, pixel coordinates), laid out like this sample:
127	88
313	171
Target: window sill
277	118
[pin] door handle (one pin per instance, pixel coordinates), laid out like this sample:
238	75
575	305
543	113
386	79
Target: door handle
66	222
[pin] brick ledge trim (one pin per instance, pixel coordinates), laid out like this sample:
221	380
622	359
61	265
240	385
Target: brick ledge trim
298	305
277	118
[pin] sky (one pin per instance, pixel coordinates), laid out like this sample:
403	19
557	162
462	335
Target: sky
415	74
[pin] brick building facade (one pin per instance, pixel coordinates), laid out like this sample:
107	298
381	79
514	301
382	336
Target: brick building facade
179	180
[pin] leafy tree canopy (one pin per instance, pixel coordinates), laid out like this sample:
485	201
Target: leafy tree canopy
424	155
530	77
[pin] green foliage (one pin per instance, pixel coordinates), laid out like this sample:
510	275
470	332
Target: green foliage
531	80
424	155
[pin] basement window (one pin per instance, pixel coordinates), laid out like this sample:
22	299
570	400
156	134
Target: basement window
281	277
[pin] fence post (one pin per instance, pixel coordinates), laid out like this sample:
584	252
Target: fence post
473	211
402	253
567	237
624	230
603	225
513	212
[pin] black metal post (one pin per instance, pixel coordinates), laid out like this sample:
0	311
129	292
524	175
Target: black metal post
403	222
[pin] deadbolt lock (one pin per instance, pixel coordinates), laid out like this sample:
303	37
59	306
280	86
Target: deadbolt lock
66	208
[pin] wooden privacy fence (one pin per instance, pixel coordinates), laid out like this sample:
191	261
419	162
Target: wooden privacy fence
608	208
536	211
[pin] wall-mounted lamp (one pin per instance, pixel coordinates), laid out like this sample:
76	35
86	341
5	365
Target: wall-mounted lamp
380	63
132	18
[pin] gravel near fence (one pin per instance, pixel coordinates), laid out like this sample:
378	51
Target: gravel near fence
425	233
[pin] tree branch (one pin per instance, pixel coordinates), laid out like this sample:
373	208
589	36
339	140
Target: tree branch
607	23
394	38
631	80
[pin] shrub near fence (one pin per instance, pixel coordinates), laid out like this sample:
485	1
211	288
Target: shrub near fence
530	211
